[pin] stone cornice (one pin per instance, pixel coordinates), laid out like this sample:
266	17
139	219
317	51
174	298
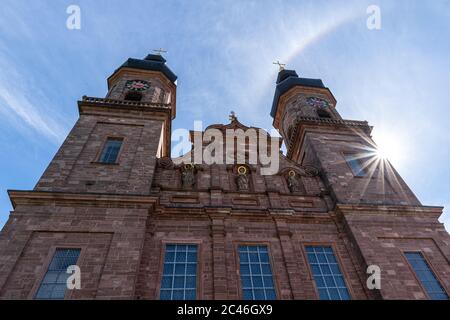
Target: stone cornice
19	197
305	121
398	210
104	102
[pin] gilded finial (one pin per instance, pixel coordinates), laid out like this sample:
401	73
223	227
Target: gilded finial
280	65
159	51
232	117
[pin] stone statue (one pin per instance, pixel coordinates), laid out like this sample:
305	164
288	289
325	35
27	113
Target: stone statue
242	182
293	182
242	179
188	176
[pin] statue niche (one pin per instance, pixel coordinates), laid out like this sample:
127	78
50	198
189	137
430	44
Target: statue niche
188	176
242	179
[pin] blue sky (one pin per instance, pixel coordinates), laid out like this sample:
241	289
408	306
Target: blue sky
397	77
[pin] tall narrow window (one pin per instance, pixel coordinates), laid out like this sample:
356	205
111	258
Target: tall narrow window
111	150
179	280
54	284
426	276
327	274
355	163
256	273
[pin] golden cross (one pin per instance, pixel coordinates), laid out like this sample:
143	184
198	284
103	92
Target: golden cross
159	51
232	116
281	65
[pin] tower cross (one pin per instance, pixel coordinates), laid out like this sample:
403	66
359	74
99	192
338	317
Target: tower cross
159	51
232	116
280	65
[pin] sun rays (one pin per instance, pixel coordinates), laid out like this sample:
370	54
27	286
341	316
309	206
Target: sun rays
380	179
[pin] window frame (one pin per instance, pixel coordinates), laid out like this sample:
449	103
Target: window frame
358	159
199	282
100	151
236	245
432	269
339	260
46	264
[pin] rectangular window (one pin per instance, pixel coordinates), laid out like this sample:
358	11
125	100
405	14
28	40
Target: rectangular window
426	276
356	164
111	150
179	280
327	274
54	285
256	273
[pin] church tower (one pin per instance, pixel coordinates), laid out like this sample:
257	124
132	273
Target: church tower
305	114
92	202
385	222
114	144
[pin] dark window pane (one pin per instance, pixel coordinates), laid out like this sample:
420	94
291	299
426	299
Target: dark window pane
191	269
243	257
270	294
331	258
334	294
191	282
170	257
320	282
344	294
166	282
168	268
133	96
259	294
111	150
192	256
325	269
246	281
323	294
257	281
190	295
170	247
178	295
266	269
248	295
255	268
245	269
254	257
180	268
321	258
178	282
165	294
180	256
312	257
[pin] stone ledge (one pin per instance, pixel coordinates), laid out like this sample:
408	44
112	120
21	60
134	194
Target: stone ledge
30	197
350	209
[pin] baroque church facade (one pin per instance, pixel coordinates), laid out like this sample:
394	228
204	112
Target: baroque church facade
140	225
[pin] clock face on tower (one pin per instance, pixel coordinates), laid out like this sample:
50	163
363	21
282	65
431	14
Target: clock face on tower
137	85
317	102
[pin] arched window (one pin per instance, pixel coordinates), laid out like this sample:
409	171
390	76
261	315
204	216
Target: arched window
133	96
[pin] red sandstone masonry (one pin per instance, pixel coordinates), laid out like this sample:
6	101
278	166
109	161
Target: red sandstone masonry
122	215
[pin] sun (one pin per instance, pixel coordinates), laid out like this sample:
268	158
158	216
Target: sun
382	152
390	147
